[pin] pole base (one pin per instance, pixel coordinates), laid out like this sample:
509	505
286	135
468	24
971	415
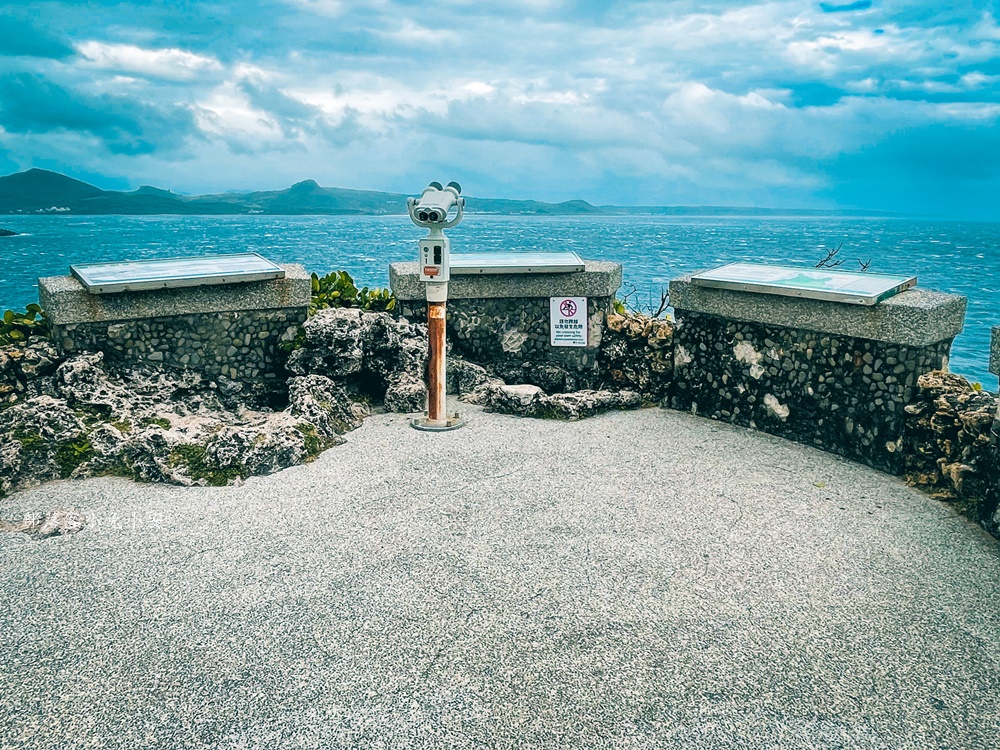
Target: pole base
426	424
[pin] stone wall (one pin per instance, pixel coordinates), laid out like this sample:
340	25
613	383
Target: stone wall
828	374
230	330
239	345
502	321
845	395
511	336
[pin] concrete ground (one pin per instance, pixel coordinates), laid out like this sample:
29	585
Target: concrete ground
638	580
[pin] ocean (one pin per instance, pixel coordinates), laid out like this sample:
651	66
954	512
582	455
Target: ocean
950	256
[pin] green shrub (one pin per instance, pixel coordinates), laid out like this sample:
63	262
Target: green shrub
18	327
338	289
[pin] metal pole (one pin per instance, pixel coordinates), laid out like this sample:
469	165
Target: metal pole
437	367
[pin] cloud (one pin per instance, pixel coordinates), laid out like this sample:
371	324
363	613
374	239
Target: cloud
20	38
171	64
692	102
32	104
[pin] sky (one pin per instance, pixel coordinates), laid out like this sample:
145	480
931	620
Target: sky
867	104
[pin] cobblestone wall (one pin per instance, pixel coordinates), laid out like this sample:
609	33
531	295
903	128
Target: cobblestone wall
510	335
240	345
845	395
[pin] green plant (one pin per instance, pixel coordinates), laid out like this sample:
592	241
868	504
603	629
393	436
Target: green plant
71	453
161	422
18	327
337	289
195	459
310	439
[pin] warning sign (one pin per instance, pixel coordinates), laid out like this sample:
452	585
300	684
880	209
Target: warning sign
568	321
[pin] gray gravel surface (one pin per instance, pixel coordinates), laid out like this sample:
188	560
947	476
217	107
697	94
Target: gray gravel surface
637	580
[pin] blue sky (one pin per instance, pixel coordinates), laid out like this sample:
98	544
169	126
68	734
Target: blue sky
886	105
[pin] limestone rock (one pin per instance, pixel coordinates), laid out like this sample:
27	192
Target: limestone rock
372	354
332	344
56	523
532	401
83	380
471	382
26	369
161	425
325	404
465	377
264	447
947	444
582	404
60	522
547	376
637	354
514	399
406	395
38	441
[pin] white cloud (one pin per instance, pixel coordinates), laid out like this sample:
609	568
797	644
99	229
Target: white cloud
171	64
698	98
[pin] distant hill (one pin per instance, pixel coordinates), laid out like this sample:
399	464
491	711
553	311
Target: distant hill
38	191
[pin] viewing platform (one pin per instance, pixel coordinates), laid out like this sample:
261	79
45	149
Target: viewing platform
646	578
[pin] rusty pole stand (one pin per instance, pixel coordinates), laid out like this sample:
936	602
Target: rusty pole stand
436	365
437	419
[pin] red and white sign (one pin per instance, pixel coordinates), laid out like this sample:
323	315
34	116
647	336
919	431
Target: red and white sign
568	321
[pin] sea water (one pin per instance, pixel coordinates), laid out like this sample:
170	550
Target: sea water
959	257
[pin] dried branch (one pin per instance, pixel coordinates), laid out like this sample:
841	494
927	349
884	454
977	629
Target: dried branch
831	260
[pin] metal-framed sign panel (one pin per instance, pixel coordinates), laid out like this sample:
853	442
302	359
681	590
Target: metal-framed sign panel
494	263
807	283
173	273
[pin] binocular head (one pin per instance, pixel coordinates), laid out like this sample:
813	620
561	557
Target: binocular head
434	205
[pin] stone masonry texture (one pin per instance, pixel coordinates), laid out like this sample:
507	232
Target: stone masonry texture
510	335
845	395
241	345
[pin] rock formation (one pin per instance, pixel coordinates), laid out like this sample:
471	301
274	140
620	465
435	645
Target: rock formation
81	416
947	446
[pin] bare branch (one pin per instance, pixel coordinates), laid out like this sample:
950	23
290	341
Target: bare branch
831	260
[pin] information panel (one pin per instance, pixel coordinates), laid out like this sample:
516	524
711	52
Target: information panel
519	262
170	273
568	321
856	288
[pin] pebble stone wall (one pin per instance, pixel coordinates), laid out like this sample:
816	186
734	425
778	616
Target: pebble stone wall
511	335
845	395
502	321
241	345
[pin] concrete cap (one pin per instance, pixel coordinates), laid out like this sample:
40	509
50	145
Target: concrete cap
65	300
599	279
916	317
995	350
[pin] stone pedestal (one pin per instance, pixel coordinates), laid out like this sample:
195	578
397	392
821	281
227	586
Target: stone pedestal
829	374
502	320
231	330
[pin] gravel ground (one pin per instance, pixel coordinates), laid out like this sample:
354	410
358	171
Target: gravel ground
641	579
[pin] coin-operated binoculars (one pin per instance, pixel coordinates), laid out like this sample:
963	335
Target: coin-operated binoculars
431	210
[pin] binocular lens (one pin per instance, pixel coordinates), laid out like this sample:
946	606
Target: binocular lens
422	215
